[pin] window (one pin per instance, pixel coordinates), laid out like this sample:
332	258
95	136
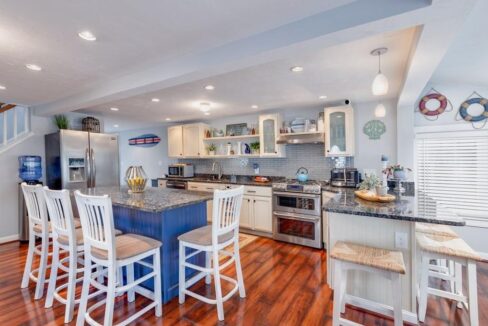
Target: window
452	168
13	123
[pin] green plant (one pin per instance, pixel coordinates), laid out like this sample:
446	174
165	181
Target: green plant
370	182
61	121
393	168
212	148
254	146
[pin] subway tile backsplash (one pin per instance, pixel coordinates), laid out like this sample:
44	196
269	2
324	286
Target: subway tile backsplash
310	156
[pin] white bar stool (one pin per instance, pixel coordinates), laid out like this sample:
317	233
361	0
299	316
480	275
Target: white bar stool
104	249
387	263
454	249
212	239
38	227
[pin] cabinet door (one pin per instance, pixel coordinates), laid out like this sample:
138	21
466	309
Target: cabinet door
339	134
263	219
269	133
245	219
191	140
175	141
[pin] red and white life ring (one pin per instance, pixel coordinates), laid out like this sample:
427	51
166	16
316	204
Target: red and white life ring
434	96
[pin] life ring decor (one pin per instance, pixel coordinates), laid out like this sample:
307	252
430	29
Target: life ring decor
478	121
444	105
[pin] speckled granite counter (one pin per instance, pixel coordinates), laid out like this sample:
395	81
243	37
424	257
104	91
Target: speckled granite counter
153	200
240	180
418	208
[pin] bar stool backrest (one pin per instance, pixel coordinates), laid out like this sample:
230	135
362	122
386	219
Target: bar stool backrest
97	223
226	211
60	211
36	206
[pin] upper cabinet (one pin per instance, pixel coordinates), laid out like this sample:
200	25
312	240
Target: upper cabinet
186	140
269	129
339	131
175	141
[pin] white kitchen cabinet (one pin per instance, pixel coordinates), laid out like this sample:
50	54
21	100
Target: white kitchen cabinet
339	131
245	220
208	187
175	141
269	132
261	211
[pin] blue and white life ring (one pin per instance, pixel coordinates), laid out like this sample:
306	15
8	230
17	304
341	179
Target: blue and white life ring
463	109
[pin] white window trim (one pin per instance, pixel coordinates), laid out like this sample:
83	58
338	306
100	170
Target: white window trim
6	144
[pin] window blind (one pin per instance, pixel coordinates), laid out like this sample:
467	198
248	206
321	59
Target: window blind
452	168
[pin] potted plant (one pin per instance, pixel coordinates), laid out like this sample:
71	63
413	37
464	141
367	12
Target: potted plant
211	149
61	121
254	147
396	171
370	183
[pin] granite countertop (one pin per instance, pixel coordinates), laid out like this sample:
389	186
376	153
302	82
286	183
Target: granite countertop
416	208
245	180
153	200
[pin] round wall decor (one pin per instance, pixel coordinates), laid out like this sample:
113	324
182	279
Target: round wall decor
374	129
463	109
433	96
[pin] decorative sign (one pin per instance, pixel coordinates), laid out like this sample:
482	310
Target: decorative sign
147	140
444	105
374	129
477	121
237	129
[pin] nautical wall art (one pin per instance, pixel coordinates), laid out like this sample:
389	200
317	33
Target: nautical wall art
146	140
479	120
432	114
374	129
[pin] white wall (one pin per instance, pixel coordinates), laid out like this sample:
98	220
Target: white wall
33	145
154	160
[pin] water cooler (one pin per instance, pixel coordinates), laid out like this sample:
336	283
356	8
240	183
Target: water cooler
30	172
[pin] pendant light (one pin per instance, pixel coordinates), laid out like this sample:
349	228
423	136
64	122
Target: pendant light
380	111
380	82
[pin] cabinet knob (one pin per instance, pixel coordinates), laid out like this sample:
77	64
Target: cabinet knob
276	152
181	154
198	153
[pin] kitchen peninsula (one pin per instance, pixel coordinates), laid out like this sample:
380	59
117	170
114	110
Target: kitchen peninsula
161	214
381	225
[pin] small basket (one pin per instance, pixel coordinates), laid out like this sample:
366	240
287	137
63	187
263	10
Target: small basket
90	124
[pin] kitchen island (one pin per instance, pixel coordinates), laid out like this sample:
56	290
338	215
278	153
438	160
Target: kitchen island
162	214
383	225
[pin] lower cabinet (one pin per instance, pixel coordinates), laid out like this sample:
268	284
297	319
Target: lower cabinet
256	214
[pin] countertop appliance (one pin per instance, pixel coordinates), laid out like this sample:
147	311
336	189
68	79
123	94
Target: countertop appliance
77	159
297	212
345	177
176	183
181	170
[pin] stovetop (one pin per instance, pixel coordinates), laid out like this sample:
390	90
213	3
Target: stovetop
293	185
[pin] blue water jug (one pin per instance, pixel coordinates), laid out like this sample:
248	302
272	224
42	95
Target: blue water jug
30	168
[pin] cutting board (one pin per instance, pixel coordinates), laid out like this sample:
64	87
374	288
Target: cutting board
367	195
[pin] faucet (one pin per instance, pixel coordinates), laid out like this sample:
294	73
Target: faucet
219	166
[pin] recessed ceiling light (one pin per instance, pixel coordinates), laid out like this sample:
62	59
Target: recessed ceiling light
254	106
2	87
168	119
34	67
87	36
296	69
114	109
210	87
116	126
155	100
322	97
207	113
204	107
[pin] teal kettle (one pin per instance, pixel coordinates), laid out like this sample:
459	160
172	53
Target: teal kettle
302	174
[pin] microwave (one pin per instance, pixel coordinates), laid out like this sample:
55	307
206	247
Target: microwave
347	177
181	170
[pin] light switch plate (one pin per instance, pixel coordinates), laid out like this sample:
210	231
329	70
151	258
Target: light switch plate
401	240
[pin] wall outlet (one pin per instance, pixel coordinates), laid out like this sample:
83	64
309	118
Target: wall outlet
401	240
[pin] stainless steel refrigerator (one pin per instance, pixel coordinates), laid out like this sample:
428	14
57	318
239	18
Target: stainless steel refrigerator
79	159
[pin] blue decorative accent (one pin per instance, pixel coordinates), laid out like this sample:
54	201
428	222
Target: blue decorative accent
146	140
374	129
30	168
463	109
165	227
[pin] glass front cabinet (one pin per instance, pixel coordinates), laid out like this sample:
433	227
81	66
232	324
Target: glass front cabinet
339	131
269	131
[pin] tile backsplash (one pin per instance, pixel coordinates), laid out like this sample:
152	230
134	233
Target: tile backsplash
310	156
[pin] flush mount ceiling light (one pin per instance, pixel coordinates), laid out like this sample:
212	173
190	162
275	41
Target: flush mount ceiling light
296	69
116	126
168	119
254	106
380	111
204	106
33	67
2	87
322	97
210	87
156	100
114	109
380	82
87	36
207	113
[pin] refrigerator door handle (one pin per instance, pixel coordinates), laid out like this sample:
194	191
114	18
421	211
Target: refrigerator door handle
88	168
94	169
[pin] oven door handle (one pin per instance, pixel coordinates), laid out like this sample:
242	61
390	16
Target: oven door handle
296	216
295	194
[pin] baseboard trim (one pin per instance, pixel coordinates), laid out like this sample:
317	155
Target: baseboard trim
9	238
380	308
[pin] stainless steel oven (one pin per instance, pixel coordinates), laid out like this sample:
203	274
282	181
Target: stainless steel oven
176	184
297	218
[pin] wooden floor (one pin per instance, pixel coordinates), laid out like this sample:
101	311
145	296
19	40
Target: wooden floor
285	285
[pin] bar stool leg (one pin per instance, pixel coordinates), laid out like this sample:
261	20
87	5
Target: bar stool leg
472	294
157	284
343	290
109	304
28	261
131	295
54	275
424	279
41	275
336	315
80	321
70	297
208	264
218	289
182	286
240	278
396	284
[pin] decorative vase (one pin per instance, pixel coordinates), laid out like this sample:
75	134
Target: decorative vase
381	190
136	179
399	174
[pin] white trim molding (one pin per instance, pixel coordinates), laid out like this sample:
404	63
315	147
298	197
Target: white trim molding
21	138
9	238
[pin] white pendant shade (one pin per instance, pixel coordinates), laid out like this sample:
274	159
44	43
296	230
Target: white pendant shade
380	111
380	85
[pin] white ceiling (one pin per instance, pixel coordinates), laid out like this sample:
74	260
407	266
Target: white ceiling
343	71
132	35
